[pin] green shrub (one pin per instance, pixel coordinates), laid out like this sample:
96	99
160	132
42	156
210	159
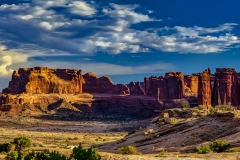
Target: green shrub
75	138
220	146
80	153
223	108
203	149
128	150
184	106
21	143
45	155
162	154
5	147
232	150
13	156
213	110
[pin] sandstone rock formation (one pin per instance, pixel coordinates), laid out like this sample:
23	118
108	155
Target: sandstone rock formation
152	84
135	89
204	88
226	87
195	127
174	85
45	80
191	82
169	87
93	84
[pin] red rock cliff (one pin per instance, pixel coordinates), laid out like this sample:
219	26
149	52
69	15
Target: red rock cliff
93	84
135	89
169	87
45	80
226	87
204	89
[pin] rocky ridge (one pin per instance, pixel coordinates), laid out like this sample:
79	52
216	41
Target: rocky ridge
182	130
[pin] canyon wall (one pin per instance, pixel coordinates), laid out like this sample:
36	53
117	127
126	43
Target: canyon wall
226	87
191	82
93	84
45	80
169	87
135	89
222	88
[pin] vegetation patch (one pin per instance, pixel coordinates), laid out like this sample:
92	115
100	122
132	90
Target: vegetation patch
216	146
129	150
204	150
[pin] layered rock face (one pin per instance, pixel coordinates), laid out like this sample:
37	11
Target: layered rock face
135	89
226	87
93	84
169	87
191	81
153	86
45	80
174	85
204	89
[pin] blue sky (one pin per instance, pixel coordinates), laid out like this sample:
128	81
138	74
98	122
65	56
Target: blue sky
124	39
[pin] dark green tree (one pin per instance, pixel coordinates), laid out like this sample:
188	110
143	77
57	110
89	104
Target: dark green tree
12	156
5	147
81	153
45	155
220	146
21	143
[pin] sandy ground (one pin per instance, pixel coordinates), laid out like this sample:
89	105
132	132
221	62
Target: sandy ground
64	135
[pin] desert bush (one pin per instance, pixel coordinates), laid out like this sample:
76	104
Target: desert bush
5	147
80	153
13	156
184	106
162	154
21	143
232	150
75	138
203	149
213	110
45	155
220	146
129	150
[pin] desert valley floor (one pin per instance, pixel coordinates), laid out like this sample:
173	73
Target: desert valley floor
62	135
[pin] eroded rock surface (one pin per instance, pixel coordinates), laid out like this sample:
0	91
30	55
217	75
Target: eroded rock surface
45	80
135	89
183	130
94	84
169	87
204	89
226	87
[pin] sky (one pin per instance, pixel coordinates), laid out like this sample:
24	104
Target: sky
124	39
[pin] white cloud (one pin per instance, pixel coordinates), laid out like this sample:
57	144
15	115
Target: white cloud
127	12
195	31
110	31
5	62
46	25
7	58
82	8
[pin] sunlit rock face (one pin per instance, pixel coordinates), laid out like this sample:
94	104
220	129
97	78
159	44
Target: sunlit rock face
204	88
45	80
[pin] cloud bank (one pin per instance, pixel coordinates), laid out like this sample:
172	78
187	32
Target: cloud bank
71	27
